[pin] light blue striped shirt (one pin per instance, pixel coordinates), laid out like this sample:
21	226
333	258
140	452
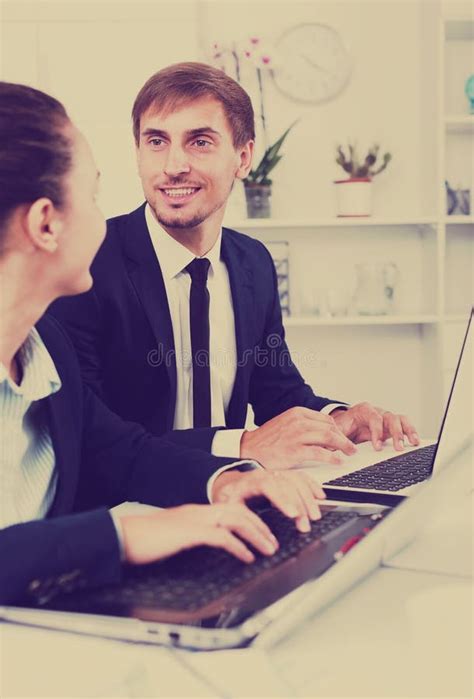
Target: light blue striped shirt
28	475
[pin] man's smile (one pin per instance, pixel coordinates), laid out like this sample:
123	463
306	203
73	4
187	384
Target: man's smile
181	194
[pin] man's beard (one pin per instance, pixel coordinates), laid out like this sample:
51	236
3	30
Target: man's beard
191	221
180	223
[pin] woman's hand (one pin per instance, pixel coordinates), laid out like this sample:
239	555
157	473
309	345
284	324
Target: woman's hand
294	493
148	538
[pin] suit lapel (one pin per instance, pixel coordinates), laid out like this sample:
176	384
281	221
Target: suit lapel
66	452
242	288
146	276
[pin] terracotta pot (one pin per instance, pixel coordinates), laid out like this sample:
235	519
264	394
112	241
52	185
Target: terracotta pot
257	197
354	197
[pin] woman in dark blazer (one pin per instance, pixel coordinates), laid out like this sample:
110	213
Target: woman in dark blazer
56	436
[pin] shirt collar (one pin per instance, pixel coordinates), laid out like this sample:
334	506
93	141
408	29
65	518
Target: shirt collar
173	256
40	378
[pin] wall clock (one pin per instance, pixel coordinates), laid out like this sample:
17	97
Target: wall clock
314	65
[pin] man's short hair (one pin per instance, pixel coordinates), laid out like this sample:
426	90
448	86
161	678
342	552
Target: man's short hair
182	83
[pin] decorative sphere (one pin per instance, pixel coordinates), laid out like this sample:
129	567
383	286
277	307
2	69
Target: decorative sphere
469	90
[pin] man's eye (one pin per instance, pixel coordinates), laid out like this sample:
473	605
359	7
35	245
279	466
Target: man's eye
156	142
202	143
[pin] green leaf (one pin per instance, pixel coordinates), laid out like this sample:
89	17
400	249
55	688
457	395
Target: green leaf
273	150
270	158
274	162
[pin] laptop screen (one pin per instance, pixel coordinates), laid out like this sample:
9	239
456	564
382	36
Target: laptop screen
456	426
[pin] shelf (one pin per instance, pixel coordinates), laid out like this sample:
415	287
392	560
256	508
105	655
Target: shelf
459	28
456	318
459	220
305	321
349	222
460	124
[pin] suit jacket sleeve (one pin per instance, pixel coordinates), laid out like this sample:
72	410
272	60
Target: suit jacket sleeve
123	462
276	384
42	557
197	438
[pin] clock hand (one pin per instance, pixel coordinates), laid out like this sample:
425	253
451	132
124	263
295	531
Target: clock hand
316	65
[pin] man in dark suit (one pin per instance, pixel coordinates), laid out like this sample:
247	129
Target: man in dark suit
183	328
56	434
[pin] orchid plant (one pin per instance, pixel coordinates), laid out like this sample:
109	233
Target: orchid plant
241	59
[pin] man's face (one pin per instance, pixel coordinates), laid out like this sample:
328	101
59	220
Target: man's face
187	163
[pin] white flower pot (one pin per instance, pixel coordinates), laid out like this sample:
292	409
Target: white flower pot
354	197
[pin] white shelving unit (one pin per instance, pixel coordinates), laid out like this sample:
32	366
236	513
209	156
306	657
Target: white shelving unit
417	236
302	321
459	124
435	251
458	220
259	224
456	155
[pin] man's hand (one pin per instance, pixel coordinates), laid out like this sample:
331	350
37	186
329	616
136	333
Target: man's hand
293	492
297	435
148	538
363	422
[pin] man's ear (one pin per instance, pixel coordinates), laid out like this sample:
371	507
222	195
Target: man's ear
245	160
43	225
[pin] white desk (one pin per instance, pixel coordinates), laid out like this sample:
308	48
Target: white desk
401	632
398	634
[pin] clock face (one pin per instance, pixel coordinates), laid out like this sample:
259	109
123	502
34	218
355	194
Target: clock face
314	65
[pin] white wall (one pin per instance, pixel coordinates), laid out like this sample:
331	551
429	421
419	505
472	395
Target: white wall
380	104
95	56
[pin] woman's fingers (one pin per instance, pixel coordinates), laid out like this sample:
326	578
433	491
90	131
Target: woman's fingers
221	537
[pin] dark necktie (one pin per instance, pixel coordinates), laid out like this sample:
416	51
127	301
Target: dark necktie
199	323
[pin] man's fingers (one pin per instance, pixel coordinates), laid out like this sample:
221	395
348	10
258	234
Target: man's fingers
375	425
330	437
307	495
394	427
318	454
311	414
410	431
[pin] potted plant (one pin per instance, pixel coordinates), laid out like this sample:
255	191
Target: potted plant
354	194
258	185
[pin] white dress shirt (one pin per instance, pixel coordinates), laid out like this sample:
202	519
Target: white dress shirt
27	462
28	474
173	258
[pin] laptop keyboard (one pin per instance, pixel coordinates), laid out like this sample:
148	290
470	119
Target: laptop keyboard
392	474
194	578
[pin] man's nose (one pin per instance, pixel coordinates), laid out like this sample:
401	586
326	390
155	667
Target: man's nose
177	162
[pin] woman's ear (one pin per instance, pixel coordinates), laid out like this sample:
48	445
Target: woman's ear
245	160
43	225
